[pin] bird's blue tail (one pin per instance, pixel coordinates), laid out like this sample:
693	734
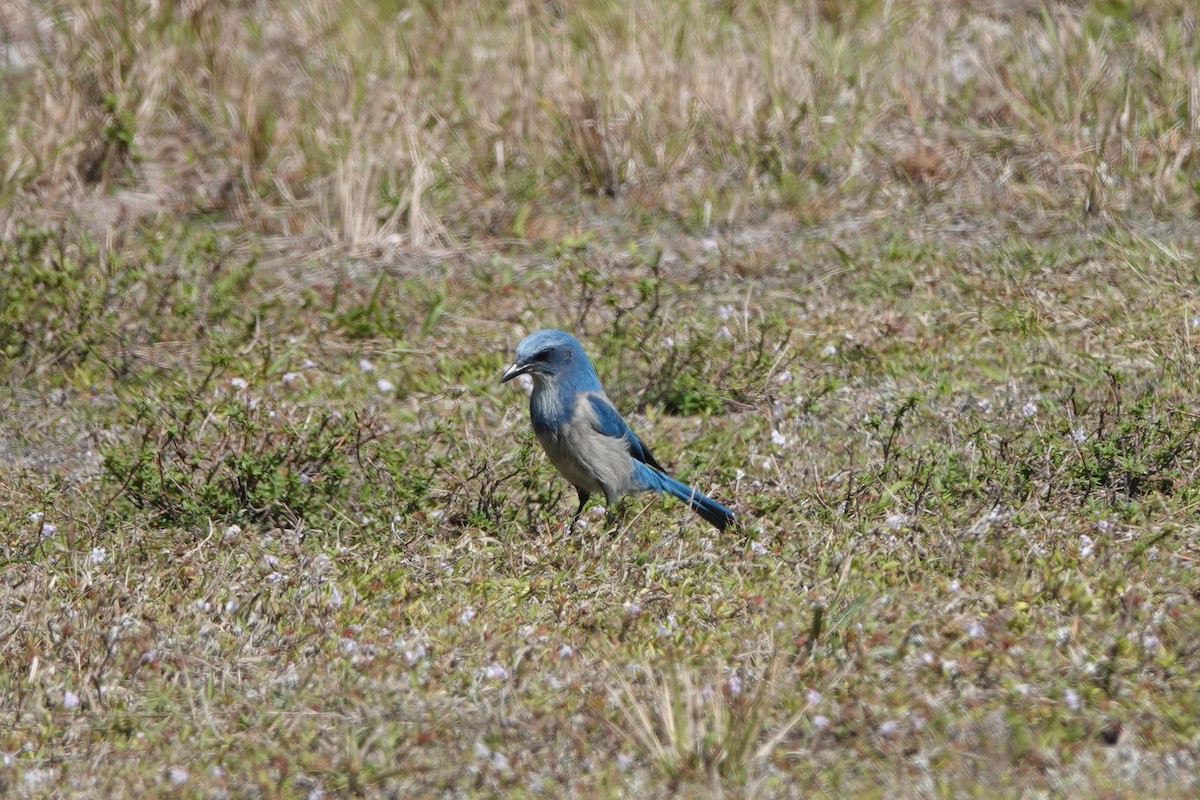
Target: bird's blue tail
713	512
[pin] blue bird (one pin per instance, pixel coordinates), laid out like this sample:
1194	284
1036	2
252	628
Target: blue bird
584	435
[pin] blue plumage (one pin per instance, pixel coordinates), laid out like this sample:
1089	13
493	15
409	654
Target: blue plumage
585	436
611	424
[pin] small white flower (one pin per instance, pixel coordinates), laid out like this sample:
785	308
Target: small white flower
385	386
888	729
896	520
820	722
495	671
624	762
36	517
36	777
830	351
566	651
812	696
308	363
954	586
1071	700
632	609
668	342
70	700
98	555
232	532
738	474
415	653
49	529
177	775
1150	641
758	548
239	383
734	685
365	365
466	615
335	596
984	405
1029	409
290	377
709	244
349	646
723	332
275	577
1078	435
778	438
1103	525
784	376
975	629
1085	545
270	560
725	312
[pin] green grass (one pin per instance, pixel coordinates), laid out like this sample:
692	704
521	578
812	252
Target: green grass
911	287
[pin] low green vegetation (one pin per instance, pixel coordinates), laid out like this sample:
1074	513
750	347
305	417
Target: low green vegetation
911	287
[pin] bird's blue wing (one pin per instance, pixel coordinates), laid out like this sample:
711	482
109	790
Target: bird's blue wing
609	423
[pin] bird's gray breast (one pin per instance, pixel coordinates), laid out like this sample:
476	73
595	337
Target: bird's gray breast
586	457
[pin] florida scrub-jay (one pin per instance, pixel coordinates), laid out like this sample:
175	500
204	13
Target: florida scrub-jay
583	434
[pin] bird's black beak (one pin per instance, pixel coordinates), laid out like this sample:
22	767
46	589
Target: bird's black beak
513	370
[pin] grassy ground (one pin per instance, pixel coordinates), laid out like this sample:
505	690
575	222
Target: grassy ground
913	287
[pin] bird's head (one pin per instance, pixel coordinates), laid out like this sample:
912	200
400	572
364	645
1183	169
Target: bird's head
549	355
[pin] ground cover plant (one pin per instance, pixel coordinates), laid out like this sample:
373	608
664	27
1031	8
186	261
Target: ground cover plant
912	286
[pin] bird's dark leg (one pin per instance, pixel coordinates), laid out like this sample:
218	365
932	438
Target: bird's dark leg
584	494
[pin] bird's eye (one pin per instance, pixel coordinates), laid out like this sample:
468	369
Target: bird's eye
541	355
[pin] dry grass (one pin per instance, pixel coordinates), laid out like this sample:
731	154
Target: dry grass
911	285
357	122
